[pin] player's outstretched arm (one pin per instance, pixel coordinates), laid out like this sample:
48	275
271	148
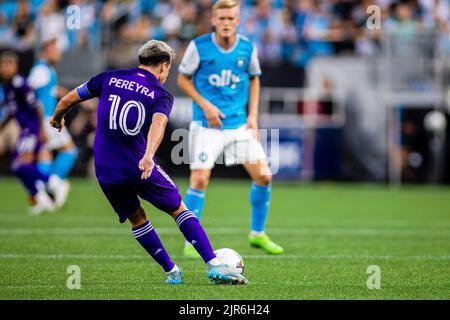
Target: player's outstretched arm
63	107
154	138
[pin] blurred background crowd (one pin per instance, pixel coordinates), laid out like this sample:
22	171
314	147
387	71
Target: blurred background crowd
370	125
285	31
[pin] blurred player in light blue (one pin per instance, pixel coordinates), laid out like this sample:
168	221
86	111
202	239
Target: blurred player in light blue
220	72
44	80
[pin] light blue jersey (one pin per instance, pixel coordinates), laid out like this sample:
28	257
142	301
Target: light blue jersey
221	76
44	80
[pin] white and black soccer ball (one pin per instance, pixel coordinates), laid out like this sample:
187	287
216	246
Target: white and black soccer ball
230	257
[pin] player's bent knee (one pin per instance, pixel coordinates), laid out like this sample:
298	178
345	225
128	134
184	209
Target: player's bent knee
45	155
199	181
138	218
264	179
180	209
199	184
70	147
23	159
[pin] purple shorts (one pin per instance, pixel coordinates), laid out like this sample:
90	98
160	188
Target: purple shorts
28	142
158	189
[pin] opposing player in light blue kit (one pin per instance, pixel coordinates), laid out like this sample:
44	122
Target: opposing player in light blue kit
132	114
44	80
220	72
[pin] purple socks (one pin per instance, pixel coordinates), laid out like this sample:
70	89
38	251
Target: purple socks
29	174
147	237
193	232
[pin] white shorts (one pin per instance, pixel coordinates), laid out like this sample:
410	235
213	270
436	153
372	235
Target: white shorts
56	140
237	146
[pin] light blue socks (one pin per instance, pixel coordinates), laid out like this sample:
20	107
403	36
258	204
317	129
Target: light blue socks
45	167
195	200
259	200
64	162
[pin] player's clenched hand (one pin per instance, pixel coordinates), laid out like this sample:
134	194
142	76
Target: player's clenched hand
57	123
146	165
213	115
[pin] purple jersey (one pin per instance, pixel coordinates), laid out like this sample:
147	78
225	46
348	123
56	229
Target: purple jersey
21	103
128	99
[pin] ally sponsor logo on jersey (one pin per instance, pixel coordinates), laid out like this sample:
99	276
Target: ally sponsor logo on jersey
226	78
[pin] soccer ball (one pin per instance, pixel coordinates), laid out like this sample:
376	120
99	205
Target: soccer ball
231	258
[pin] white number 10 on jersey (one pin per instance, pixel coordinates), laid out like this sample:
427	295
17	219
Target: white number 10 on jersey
124	114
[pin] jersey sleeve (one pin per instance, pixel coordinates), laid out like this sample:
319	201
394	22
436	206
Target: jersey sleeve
254	68
163	105
39	76
191	60
91	88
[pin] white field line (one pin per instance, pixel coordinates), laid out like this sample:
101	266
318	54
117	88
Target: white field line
231	231
256	257
398	223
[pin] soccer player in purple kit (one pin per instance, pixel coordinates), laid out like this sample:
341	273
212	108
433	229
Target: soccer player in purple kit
133	111
21	104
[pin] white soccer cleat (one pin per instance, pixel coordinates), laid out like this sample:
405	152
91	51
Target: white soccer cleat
60	190
43	203
225	274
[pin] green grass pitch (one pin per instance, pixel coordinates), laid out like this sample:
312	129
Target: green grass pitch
331	234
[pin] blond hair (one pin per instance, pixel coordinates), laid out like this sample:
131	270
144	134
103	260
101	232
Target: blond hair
225	4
